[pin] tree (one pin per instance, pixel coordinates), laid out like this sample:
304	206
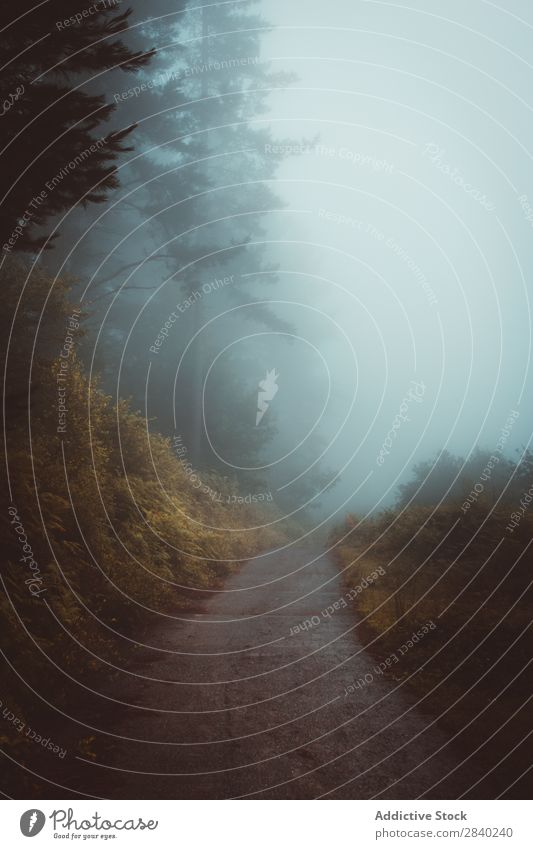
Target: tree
432	480
53	56
185	239
483	476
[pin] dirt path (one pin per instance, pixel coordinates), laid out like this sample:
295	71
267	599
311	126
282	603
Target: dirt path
251	710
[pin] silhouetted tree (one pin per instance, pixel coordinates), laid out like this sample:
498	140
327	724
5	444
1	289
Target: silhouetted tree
198	134
432	480
484	476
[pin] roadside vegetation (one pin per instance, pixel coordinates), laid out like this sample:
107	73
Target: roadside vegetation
464	565
104	528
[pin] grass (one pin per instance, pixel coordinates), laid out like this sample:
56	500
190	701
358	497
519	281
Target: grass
471	577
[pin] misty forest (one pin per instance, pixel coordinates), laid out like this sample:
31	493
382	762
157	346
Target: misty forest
267	513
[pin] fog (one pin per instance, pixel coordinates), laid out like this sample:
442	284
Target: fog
347	207
267	405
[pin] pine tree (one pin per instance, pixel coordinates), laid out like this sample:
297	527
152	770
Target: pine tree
55	58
